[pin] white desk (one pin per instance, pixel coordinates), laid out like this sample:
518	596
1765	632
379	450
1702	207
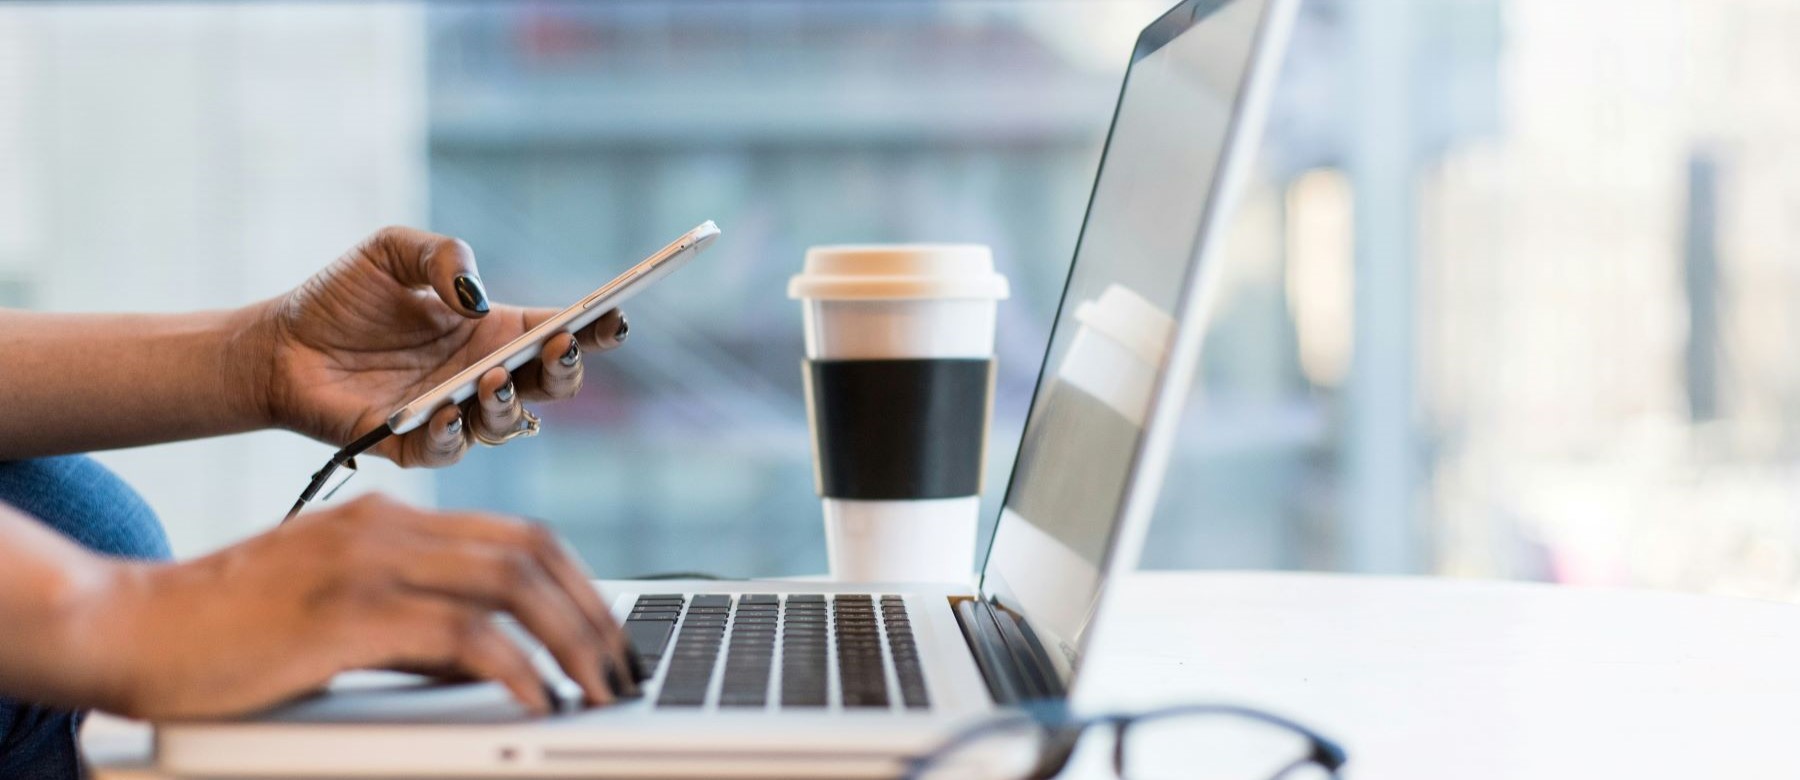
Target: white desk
1433	678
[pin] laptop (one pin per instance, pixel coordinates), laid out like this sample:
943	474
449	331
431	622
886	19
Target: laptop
799	679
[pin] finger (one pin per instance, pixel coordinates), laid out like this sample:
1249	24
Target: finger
544	381
489	655
576	580
569	573
432	633
511	578
600	335
440	442
558	372
605	333
498	408
419	258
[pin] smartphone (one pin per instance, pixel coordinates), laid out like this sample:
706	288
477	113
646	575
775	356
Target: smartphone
524	349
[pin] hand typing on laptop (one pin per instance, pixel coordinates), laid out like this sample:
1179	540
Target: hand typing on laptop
364	584
371	584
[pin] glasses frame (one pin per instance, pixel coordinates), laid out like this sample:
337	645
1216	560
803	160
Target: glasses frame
1063	731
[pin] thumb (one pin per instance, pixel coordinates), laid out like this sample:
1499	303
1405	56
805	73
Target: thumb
419	258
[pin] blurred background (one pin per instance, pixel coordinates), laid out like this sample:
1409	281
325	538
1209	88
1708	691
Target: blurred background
1509	296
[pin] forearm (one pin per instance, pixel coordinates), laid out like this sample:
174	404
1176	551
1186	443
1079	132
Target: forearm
81	382
50	592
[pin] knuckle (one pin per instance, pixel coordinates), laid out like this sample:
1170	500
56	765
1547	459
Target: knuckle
465	633
455	246
563	382
587	649
445	440
372	502
369	508
386	238
540	539
332	539
518	571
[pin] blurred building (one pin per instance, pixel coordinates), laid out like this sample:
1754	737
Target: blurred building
1509	296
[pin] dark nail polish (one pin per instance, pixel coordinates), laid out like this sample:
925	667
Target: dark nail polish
472	295
624	329
638	673
454	427
505	392
614	682
552	701
568	358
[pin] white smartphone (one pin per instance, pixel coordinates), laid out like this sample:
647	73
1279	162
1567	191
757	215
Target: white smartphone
523	349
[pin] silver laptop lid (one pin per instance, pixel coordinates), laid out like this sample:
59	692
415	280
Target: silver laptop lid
1127	333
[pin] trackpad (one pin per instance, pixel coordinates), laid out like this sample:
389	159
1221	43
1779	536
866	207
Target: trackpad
392	697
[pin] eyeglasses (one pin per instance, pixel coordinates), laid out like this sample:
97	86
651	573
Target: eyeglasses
1191	741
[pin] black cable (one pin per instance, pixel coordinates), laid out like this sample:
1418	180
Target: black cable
344	458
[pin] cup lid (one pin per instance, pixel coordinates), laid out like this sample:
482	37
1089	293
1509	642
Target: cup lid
898	271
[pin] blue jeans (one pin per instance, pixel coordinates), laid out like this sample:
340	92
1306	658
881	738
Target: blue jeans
89	504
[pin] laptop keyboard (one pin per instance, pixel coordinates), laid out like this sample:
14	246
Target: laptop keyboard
799	651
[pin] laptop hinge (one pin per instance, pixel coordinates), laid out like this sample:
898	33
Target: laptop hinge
1011	659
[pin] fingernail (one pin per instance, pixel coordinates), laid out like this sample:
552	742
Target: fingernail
505	393
454	427
614	682
569	357
624	329
471	293
638	674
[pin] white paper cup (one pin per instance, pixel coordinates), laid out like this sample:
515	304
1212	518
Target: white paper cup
899	347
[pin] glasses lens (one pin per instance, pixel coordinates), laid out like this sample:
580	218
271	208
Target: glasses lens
1215	747
1009	751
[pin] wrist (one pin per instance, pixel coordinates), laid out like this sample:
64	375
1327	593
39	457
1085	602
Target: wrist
93	637
247	356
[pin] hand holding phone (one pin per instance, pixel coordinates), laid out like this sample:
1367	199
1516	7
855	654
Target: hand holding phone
593	306
515	354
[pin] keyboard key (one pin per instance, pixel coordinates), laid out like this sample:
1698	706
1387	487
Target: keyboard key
691	667
865	699
905	654
799	631
648	637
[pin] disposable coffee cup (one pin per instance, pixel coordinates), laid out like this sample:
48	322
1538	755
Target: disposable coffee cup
899	377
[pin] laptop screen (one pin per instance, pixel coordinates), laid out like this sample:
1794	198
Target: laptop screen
1110	342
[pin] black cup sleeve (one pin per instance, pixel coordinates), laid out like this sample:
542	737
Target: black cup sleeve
899	429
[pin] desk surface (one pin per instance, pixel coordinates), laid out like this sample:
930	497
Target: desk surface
1423	678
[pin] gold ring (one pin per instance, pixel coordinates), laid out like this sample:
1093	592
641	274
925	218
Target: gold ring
529	425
